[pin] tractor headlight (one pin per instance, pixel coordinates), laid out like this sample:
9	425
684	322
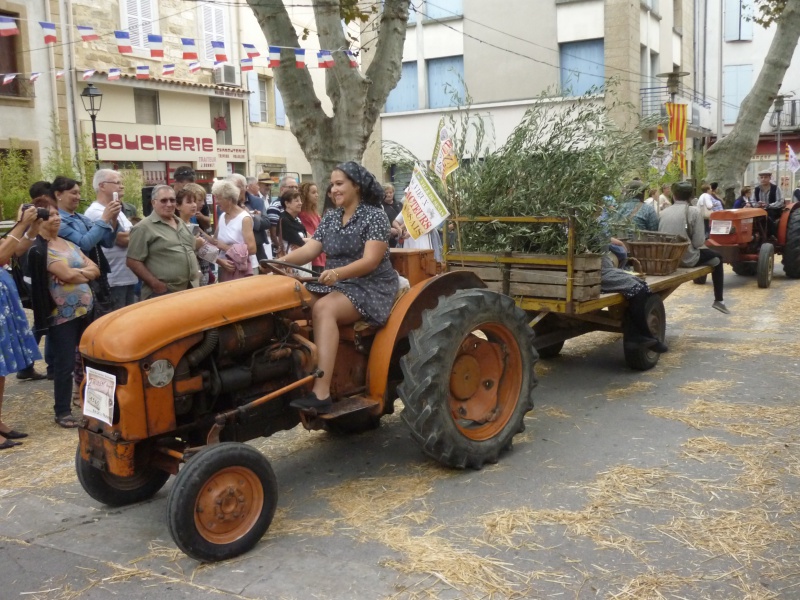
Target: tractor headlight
160	373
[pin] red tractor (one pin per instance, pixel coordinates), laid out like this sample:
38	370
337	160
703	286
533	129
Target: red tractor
749	238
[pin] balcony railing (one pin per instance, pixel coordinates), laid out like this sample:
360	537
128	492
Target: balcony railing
790	116
654	98
18	88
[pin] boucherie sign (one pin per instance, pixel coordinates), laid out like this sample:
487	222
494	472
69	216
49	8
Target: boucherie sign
131	142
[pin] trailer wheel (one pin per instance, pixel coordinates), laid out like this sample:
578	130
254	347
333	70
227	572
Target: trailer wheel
766	264
112	490
791	251
468	378
745	269
222	502
642	359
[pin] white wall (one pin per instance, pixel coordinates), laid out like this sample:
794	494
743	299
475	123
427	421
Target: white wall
580	21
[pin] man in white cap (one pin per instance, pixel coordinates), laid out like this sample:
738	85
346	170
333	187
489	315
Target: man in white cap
768	195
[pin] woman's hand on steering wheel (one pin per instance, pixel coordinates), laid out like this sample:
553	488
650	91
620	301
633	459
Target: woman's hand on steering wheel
280	267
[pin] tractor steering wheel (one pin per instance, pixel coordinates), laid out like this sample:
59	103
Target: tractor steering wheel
272	265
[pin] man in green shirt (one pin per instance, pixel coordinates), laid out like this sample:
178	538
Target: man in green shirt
161	249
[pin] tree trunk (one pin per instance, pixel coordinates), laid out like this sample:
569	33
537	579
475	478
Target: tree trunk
728	157
357	97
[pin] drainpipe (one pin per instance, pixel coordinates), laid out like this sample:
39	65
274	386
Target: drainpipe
51	57
69	77
246	103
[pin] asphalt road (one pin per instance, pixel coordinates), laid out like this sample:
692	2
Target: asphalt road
680	482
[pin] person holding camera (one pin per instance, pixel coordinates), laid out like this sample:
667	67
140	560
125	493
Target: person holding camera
18	348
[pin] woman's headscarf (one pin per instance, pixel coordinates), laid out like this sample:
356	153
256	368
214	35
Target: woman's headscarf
371	189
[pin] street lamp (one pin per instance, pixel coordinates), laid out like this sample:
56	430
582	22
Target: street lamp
673	82
778	110
92	99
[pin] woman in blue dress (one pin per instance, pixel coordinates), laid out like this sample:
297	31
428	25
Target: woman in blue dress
18	347
358	282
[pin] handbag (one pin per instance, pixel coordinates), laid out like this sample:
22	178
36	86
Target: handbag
705	212
101	290
23	288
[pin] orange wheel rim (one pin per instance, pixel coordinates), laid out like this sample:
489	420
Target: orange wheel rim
228	505
485	381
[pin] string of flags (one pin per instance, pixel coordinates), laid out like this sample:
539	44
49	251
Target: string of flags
155	44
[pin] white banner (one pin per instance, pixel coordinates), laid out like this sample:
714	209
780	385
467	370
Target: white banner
423	210
794	164
98	402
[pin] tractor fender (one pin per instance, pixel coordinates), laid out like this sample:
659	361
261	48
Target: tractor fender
406	316
784	222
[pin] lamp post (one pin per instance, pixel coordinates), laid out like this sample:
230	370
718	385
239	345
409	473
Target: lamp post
92	99
778	111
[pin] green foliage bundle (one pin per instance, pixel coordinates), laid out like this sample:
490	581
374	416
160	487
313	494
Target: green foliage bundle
16	176
561	159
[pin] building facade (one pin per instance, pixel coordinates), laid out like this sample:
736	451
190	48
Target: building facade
505	54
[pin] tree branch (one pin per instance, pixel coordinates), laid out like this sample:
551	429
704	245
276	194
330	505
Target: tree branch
385	70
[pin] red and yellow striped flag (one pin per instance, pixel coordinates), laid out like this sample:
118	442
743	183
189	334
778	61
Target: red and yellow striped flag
677	132
661	139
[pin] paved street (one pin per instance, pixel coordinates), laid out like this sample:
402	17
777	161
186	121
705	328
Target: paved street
681	482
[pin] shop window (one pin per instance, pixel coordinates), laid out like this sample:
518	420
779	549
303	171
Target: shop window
405	95
145	105
139	18
445	78
221	120
213	24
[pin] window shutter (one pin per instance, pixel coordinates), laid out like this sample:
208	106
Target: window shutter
732	19
745	22
736	83
582	66
445	76
213	22
139	18
280	111
405	95
254	101
263	91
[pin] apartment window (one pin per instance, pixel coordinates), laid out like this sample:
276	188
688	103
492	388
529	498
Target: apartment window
263	99
405	95
280	110
445	81
9	60
221	119
582	66
651	5
738	26
140	18
442	9
213	23
736	83
258	100
145	106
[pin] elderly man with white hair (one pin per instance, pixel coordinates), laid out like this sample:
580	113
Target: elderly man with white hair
109	189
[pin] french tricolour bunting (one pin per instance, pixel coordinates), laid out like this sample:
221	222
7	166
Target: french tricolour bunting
34	77
247	64
168	70
8	78
143	72
8	26
219	51
156	45
189	49
49	31
251	51
300	58
274	57
87	33
87	74
351	57
113	74
123	42
324	59
194	67
59	74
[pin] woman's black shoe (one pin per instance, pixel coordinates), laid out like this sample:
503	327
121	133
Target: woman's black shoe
29	374
14	435
311	402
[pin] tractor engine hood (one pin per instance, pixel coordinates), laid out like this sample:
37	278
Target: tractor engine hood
137	331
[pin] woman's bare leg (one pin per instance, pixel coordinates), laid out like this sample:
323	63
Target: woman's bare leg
3	426
327	313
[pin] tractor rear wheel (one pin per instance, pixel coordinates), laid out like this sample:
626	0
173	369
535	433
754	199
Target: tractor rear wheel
468	378
745	269
766	264
791	251
112	490
642	359
222	502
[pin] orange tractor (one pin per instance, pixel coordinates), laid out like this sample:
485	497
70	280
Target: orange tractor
749	238
171	391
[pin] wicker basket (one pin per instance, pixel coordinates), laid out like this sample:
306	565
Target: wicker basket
658	253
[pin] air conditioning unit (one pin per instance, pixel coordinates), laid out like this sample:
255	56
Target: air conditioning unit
226	75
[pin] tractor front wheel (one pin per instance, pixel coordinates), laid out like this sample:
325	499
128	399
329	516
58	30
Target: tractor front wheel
766	264
222	502
791	251
468	378
112	490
